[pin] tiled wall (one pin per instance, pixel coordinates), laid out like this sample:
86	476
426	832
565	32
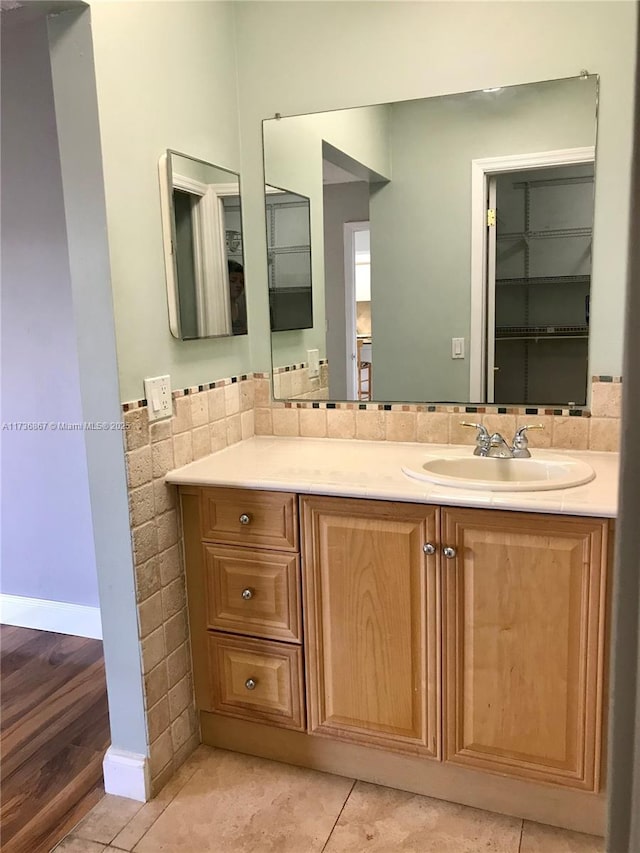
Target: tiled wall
205	419
209	418
294	381
569	429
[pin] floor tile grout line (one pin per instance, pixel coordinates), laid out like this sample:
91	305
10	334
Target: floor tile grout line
346	800
521	835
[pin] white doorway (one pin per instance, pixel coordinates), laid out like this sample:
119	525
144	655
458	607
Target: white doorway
357	279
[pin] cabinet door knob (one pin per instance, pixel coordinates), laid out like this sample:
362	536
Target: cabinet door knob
250	684
449	553
428	548
247	594
244	518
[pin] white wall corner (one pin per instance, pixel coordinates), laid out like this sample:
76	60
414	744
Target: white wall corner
60	617
126	774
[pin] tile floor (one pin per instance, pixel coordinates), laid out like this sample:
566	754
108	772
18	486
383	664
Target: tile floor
223	802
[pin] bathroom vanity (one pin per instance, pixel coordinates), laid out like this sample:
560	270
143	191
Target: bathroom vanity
447	641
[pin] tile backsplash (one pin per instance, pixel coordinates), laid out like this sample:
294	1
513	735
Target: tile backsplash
210	417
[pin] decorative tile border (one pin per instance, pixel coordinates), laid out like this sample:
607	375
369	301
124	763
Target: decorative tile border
614	379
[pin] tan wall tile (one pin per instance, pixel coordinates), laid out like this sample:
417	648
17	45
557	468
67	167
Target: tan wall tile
141	505
138	467
136	428
160	754
178	664
285	421
459	434
158	718
263	422
182	449
231	399
199	409
181	421
234	429
276	386
313	422
173	598
401	426
176	631
262	392
155	684
216	404
571	433
145	542
182	728
160	430
247	424
164	495
247	395
540	438
370	425
218	435
162	457
341	423
180	697
163	777
504	424
150	615
606	399
604	434
153	649
183	753
201	439
147	577
298	381
285	382
167	529
433	427
170	565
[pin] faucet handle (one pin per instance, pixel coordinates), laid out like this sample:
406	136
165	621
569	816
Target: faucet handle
482	430
520	441
483	439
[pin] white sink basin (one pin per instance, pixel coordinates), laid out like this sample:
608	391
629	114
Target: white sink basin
540	473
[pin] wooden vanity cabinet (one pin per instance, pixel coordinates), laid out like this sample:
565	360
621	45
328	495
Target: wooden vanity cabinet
471	637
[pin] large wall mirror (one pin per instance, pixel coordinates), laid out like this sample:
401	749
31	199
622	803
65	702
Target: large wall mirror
202	227
451	239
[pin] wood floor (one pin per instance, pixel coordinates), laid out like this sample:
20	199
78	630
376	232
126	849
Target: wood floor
53	734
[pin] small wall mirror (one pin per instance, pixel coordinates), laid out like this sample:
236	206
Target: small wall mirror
203	242
451	242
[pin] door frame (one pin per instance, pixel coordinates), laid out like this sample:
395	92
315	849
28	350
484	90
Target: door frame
350	229
481	170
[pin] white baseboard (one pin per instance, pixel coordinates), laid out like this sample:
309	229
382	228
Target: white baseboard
126	774
57	616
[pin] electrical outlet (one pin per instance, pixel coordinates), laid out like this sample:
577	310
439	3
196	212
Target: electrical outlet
457	347
313	360
158	393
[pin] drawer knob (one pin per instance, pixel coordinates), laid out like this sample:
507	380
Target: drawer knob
250	684
247	594
428	548
449	553
244	518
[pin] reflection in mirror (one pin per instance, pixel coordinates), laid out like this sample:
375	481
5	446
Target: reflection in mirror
289	259
202	226
452	236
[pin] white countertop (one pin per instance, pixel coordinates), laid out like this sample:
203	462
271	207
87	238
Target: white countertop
372	469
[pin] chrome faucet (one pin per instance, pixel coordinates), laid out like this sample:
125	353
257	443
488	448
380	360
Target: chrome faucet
495	445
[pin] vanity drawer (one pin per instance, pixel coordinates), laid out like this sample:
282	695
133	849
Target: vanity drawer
253	592
242	517
257	680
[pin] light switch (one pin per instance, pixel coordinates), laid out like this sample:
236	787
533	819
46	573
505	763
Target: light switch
457	347
158	393
313	360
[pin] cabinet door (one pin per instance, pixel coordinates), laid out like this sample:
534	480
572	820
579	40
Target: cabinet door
524	644
371	622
